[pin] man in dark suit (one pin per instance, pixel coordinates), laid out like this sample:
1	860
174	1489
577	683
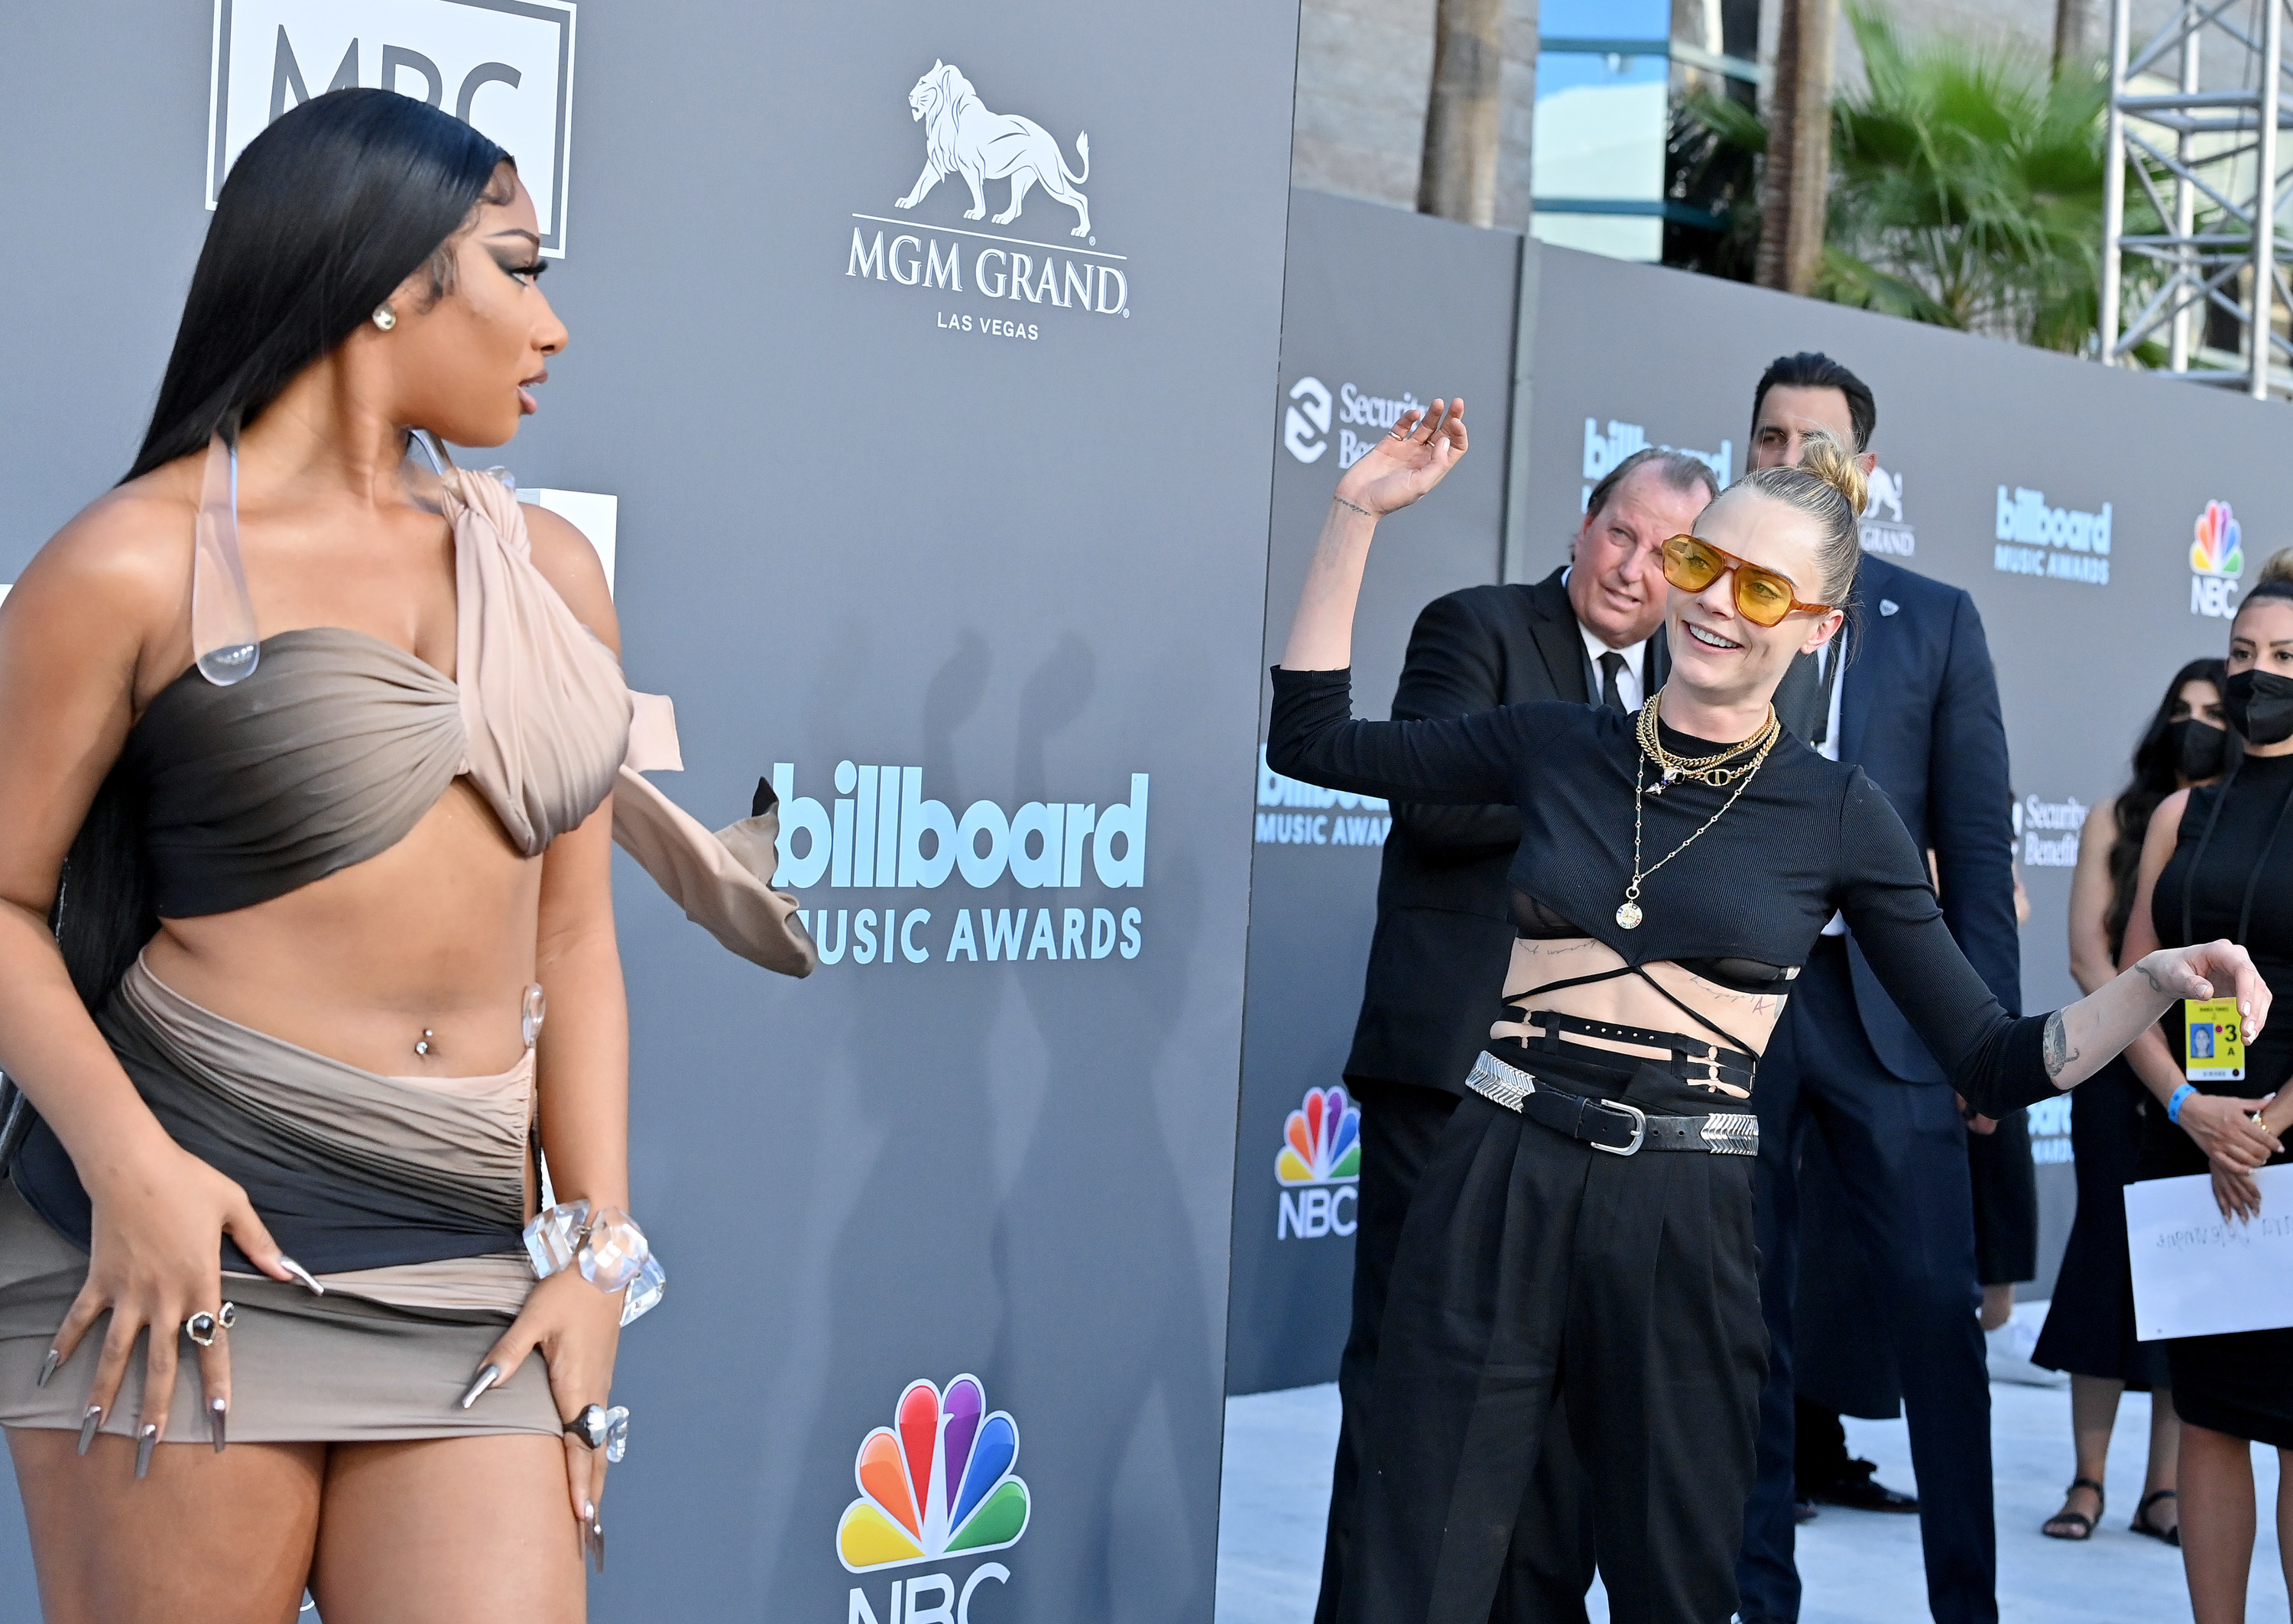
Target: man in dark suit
1588	633
1915	703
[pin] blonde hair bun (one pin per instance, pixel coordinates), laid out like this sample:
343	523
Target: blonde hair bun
1835	465
2278	568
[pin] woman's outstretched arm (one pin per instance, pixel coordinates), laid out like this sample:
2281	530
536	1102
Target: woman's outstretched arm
1400	468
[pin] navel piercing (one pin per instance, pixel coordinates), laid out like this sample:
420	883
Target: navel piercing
423	1046
384	316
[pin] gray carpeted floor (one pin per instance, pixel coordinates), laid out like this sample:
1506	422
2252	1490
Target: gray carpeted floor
1859	1567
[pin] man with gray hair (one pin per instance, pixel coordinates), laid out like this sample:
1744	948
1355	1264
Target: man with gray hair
1588	633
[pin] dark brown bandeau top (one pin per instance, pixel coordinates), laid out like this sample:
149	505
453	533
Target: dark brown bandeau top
337	743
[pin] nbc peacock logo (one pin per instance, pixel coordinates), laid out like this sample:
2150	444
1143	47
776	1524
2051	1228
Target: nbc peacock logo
1318	1166
937	1483
2216	559
1321	1140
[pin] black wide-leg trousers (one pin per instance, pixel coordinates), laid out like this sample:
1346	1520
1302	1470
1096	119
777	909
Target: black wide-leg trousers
1534	1269
1901	1151
1550	1564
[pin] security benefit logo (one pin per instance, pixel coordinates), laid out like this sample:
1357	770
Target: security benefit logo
1317	817
503	65
936	1486
2216	559
880	832
1318	1166
2060	544
2048	831
1885	530
1011	279
1306	421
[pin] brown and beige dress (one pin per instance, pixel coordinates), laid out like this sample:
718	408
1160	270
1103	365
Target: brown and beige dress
404	1195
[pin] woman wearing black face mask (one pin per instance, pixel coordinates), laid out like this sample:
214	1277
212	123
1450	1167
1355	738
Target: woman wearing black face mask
2219	860
2089	1331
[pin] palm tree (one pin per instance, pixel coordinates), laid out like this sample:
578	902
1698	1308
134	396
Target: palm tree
1966	186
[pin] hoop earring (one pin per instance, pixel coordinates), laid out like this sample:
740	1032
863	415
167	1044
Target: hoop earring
384	316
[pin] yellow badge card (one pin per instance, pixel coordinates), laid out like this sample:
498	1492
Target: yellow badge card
2216	1040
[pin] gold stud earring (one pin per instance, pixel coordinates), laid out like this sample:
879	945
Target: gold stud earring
384	316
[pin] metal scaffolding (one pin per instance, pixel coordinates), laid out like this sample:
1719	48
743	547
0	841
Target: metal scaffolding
2194	119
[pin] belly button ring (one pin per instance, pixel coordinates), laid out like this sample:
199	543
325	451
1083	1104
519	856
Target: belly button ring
423	1046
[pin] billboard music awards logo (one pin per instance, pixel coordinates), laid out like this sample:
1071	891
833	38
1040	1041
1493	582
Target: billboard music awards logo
505	67
2060	543
2216	559
1603	452
1021	277
1318	1166
880	832
1890	535
936	1483
1307	420
1330	818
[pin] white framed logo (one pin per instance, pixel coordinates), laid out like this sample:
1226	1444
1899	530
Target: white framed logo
504	66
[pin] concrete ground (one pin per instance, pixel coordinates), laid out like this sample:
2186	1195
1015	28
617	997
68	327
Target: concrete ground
1859	1567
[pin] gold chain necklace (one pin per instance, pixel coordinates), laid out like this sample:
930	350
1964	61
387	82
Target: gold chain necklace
1628	911
1704	768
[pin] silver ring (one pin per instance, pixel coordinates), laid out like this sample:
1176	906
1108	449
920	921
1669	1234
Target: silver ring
201	1327
590	1425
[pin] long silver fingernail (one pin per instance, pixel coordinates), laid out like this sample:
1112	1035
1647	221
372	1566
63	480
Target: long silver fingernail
88	1422
48	1367
219	1411
144	1439
303	1277
487	1378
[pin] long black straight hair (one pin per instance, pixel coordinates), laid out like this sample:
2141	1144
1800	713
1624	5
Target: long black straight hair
322	217
2155	777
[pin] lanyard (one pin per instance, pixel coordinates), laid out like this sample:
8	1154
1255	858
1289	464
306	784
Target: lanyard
2252	880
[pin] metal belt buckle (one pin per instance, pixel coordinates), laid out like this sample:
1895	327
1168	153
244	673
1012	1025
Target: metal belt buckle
1640	1128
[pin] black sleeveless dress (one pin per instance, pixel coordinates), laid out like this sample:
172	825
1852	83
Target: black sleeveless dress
2233	1384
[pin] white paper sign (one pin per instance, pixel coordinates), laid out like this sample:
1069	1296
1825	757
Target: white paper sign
2198	1274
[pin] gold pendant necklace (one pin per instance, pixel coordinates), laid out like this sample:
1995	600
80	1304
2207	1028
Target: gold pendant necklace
1628	912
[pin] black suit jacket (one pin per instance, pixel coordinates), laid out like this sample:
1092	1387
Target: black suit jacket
1918	710
1437	963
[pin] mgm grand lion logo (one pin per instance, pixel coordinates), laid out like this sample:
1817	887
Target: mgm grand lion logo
962	137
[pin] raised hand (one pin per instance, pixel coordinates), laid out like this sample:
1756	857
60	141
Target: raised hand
1407	463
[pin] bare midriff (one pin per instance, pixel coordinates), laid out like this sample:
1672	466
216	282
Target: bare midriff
1626	1000
436	934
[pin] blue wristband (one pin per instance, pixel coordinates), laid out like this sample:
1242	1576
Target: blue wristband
2173	1104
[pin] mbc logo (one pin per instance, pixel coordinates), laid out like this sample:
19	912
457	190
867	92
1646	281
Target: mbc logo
504	66
882	832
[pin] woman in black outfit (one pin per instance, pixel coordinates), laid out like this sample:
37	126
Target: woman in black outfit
2089	1330
2220	860
1674	871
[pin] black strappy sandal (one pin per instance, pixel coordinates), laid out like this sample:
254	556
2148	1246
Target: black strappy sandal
2142	1524
2076	1524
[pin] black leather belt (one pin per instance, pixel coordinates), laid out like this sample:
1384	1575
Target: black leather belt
1611	1124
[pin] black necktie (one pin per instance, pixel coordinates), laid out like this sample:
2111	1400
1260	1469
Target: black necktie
1804	698
1612	672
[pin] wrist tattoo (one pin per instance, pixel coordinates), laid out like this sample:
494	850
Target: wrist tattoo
2149	975
1356	506
2056	1045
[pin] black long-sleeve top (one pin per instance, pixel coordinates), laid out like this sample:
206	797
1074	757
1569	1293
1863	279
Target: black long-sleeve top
1807	838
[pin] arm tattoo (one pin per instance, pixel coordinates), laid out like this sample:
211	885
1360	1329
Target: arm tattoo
2149	975
1356	506
2056	1045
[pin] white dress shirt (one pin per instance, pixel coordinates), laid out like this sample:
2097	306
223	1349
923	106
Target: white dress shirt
1629	684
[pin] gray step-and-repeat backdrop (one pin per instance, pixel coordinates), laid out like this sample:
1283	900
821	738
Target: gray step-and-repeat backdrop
949	513
1382	309
2103	521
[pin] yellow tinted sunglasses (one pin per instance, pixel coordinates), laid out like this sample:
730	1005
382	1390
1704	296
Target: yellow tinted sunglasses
1762	597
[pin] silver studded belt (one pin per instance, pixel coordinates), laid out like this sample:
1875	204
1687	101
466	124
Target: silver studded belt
1611	1124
